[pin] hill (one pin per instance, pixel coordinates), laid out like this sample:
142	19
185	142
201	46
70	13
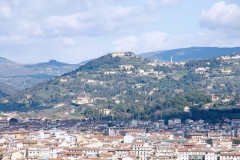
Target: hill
5	61
50	63
126	86
84	62
21	76
186	54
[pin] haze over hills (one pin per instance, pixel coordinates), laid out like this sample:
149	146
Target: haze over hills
51	63
20	76
186	54
125	84
129	86
5	61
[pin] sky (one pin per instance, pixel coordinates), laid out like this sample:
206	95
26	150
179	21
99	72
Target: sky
72	31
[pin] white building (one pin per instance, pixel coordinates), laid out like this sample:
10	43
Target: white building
196	154
83	99
142	150
134	123
140	71
229	156
174	121
118	54
128	139
38	152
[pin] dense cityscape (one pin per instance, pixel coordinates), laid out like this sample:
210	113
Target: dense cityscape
32	139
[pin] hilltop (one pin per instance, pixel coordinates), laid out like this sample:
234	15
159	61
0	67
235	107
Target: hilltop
20	76
126	86
50	63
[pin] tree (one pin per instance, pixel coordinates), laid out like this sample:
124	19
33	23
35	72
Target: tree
236	141
13	120
209	141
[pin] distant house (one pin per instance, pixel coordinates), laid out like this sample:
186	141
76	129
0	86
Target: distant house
186	109
225	71
207	106
109	72
5	101
28	96
118	54
174	121
127	67
83	99
142	150
197	136
201	70
105	111
226	100
236	56
91	81
131	131
63	80
134	123
225	57
215	98
140	71
4	123
229	155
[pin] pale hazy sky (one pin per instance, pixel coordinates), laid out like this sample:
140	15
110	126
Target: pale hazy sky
76	30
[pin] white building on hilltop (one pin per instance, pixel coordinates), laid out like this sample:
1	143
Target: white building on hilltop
118	54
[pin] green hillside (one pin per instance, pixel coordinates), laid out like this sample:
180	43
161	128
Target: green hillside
126	86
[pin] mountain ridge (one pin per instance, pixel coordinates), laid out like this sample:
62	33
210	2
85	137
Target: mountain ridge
22	76
50	63
185	54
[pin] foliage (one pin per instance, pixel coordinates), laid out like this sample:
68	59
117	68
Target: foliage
13	120
3	94
236	141
163	93
209	141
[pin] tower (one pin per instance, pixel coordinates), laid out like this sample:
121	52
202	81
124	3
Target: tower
171	60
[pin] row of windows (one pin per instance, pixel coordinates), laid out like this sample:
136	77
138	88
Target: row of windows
231	157
38	151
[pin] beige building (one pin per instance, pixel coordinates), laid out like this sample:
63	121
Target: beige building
37	151
127	67
83	99
197	136
229	156
17	155
226	71
142	150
